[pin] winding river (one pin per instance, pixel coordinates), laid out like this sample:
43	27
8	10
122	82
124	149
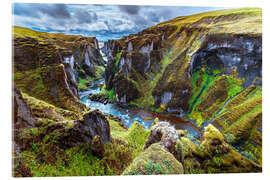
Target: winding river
130	115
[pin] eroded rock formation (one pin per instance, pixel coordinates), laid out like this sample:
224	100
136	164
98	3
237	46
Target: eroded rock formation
47	66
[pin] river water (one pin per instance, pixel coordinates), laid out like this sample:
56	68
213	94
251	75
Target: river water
130	115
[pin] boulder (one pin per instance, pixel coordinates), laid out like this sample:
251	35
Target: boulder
95	123
154	160
165	133
168	137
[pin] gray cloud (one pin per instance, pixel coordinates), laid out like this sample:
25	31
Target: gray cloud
55	10
82	16
130	9
37	10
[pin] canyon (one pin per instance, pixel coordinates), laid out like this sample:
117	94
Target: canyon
188	90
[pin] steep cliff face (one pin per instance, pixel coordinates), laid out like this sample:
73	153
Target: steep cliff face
206	66
160	62
48	66
133	59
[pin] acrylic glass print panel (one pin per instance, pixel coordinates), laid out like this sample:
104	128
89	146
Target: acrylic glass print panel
130	90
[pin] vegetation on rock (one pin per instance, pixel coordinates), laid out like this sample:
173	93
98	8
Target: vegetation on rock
154	160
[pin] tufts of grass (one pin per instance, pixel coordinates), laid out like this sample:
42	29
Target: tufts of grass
107	93
79	161
82	84
117	58
99	71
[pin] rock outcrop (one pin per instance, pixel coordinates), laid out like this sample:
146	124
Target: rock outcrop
95	123
67	134
167	136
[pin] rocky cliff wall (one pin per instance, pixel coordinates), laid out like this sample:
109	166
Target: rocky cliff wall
166	56
54	62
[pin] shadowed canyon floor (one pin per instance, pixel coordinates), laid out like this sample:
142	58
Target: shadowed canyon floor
181	97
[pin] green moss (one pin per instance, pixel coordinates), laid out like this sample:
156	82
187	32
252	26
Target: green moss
115	127
137	137
156	109
99	71
23	78
47	112
192	166
107	93
154	160
151	168
235	85
244	108
198	118
229	137
117	58
214	155
199	88
210	88
201	81
82	84
147	85
47	84
79	161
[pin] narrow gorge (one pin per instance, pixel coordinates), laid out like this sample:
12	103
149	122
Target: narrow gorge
180	97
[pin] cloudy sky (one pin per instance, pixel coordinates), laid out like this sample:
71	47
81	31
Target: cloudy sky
103	21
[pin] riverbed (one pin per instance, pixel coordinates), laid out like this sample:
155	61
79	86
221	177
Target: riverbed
130	115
